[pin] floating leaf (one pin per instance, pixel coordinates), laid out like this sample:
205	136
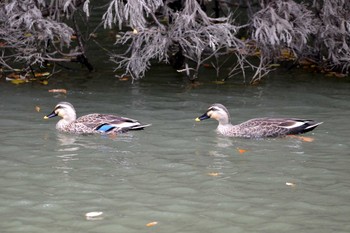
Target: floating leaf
302	138
151	224
124	78
42	74
335	74
213	173
45	82
37	108
307	139
220	82
58	91
241	151
93	215
18	81
13	76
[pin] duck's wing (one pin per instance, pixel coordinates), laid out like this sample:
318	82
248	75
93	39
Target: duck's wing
105	123
274	127
298	126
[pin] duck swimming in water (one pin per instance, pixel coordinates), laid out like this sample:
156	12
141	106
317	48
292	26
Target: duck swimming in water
91	123
258	127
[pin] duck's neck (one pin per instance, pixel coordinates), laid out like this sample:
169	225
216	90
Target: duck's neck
61	124
65	121
224	121
224	126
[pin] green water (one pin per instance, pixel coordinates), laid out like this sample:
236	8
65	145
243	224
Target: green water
178	173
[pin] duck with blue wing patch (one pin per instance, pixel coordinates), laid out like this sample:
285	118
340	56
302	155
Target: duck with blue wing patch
94	123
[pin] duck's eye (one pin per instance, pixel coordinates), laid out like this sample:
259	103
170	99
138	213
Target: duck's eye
210	112
58	109
213	109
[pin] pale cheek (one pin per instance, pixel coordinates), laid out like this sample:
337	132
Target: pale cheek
214	116
59	114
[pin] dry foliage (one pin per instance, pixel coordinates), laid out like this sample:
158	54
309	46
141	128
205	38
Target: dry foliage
183	33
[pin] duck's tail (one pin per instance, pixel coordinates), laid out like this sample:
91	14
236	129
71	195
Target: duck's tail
304	126
139	127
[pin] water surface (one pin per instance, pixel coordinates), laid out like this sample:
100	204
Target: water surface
178	172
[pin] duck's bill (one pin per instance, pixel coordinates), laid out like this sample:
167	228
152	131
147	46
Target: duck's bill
53	114
203	117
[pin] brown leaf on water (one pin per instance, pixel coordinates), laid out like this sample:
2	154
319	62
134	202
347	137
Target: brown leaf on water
307	139
124	78
241	151
302	138
335	74
37	108
214	174
219	82
14	76
151	224
43	74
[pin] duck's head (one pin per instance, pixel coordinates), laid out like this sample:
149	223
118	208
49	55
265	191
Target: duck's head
217	112
64	110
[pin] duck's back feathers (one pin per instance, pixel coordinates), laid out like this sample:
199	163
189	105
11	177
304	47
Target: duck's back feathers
274	127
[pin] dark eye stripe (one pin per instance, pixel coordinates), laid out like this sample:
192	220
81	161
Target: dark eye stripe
58	107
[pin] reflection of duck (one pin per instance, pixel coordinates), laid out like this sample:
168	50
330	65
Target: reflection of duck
258	127
91	123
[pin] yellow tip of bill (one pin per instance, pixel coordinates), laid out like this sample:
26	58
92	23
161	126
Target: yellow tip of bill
197	119
45	117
